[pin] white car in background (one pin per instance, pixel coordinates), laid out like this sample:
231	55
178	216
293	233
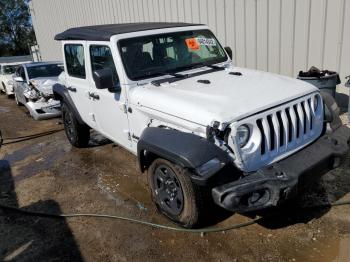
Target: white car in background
6	72
33	84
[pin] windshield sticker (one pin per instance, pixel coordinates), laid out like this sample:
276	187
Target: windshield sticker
206	41
192	44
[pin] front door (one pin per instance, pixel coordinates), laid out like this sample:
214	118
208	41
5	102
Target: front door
108	106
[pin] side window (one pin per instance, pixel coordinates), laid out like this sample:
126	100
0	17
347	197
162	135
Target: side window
75	60
101	58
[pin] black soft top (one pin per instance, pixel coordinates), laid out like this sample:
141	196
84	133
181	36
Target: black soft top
104	32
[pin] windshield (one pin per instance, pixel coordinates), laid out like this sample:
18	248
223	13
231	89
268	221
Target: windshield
154	55
10	69
50	70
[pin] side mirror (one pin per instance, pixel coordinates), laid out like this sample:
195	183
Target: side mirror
228	51
104	79
18	79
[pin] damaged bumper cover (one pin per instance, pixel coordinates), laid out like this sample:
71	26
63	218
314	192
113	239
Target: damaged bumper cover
40	110
280	181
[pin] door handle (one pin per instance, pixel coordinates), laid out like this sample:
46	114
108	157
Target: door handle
73	89
94	96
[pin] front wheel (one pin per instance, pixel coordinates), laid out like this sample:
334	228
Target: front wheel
77	134
3	90
174	194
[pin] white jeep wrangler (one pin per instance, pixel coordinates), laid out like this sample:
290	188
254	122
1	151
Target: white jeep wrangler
168	92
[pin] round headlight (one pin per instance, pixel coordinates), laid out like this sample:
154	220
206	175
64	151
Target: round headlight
315	100
243	135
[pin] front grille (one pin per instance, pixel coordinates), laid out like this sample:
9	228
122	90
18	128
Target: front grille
283	127
279	131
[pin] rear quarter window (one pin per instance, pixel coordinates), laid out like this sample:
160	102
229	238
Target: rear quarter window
75	60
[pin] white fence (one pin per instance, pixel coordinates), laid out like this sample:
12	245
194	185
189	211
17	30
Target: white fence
281	36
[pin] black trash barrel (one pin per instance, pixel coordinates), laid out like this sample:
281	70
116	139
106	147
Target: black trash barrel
324	80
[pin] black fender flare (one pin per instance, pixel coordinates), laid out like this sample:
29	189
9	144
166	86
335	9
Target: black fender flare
61	93
331	111
184	149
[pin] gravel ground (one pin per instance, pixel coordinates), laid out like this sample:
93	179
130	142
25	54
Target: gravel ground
47	174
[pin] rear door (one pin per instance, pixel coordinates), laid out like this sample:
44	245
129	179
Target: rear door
77	81
109	107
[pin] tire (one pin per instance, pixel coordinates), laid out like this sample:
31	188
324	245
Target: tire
187	204
77	134
3	90
16	100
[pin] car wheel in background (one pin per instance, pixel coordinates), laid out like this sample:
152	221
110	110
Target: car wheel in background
174	194
2	88
16	100
8	95
77	134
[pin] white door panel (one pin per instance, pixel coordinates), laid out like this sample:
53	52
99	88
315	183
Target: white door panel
107	107
110	116
79	92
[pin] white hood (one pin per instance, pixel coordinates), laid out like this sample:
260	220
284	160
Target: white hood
226	99
44	84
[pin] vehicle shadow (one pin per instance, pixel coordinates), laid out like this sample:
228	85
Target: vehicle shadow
342	101
312	201
31	238
306	206
96	139
213	213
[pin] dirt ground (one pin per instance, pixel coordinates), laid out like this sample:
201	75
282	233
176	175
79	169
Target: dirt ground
48	174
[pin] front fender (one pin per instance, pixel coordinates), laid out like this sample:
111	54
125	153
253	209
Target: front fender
61	93
331	112
184	149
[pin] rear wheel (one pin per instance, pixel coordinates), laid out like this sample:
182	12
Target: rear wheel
77	134
174	194
16	100
3	89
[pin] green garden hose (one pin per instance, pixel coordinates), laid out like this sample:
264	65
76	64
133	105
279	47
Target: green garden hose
28	137
155	225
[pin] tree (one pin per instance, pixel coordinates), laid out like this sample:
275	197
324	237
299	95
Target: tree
16	30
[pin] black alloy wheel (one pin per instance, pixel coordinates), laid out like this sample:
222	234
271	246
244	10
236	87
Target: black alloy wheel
168	191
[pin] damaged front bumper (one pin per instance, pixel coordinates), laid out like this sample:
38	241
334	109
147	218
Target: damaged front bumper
40	110
280	181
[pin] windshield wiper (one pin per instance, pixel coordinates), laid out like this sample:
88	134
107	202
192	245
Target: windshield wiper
177	75
174	75
198	65
216	67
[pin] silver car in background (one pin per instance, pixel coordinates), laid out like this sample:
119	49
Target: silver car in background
33	84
